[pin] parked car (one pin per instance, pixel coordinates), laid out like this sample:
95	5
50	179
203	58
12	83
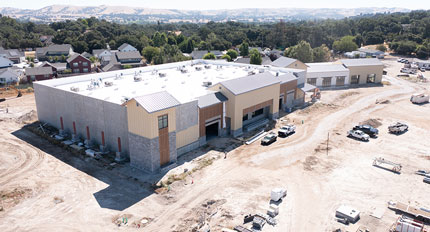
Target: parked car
269	138
421	172
368	129
426	180
399	60
358	134
398	128
422	69
286	130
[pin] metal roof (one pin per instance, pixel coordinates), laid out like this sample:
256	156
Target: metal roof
361	62
325	67
250	83
211	99
157	101
283	61
38	71
287	77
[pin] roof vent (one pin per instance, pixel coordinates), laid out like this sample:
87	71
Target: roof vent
198	68
183	82
184	70
207	83
162	74
164	86
108	83
74	89
251	73
124	99
207	66
261	70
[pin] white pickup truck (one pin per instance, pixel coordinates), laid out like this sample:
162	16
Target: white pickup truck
358	134
286	130
419	98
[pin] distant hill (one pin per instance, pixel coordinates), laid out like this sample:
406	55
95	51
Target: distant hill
125	14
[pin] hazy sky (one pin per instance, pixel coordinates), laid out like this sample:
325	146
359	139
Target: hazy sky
222	4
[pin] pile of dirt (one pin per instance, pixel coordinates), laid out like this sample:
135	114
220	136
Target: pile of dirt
382	101
347	94
375	122
200	216
310	162
27	118
10	198
318	107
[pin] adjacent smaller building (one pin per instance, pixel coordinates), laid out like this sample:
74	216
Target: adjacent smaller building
39	73
198	54
327	74
131	58
13	55
57	50
286	62
364	71
79	64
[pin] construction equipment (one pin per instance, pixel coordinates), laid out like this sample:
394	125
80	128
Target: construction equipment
406	224
419	98
19	93
316	95
386	164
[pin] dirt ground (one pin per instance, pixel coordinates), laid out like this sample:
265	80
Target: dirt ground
46	188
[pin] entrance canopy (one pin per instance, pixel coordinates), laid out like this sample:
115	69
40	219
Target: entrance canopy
308	87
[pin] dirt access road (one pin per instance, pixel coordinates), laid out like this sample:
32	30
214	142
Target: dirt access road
49	189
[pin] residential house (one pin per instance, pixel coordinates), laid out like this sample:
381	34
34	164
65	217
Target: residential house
132	58
47	64
246	60
286	62
52	51
13	55
198	54
355	54
125	47
372	53
79	64
9	76
86	55
100	53
5	62
39	73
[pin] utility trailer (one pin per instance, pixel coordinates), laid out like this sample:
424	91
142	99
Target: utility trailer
417	213
387	165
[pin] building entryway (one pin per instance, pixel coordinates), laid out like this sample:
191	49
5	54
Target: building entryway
212	131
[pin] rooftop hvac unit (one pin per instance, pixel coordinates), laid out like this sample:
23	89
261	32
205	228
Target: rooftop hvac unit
162	74
207	66
261	70
198	68
74	89
108	83
137	78
207	83
251	73
184	70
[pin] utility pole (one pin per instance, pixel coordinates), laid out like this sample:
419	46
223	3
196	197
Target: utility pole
328	138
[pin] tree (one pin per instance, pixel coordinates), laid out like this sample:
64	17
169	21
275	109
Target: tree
374	37
149	53
209	56
226	57
403	47
232	53
159	39
244	49
381	48
255	57
423	52
302	51
345	44
321	54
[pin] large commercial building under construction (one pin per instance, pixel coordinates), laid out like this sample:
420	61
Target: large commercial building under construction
154	114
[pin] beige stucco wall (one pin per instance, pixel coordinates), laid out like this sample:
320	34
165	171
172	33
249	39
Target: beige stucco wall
363	71
187	136
236	104
298	65
140	122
